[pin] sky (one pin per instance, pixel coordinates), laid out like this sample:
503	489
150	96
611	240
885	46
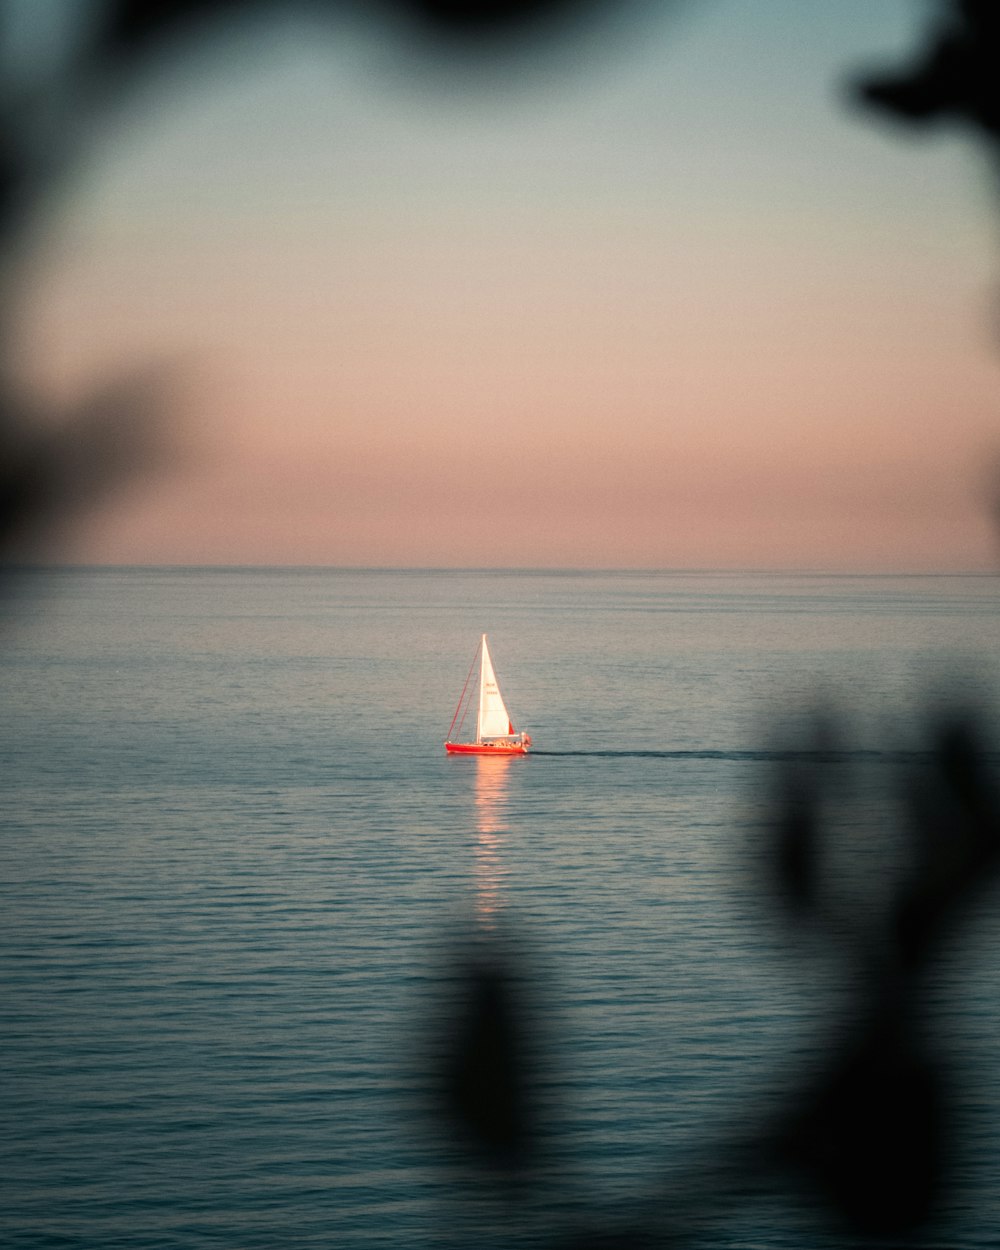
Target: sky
660	297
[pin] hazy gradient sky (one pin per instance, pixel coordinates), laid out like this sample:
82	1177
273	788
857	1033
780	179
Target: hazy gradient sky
664	300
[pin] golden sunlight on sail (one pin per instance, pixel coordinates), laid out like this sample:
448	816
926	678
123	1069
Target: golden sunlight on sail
495	732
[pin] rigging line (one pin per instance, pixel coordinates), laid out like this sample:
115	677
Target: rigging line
461	697
465	710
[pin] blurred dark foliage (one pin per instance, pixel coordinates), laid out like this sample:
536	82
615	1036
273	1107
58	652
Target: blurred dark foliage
133	26
871	1128
487	1070
52	472
956	77
876	1131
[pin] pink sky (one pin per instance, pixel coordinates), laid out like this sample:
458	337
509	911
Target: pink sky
684	310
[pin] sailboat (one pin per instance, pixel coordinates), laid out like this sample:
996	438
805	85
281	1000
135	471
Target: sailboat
495	732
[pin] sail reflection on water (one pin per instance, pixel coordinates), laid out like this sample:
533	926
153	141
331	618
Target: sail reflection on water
491	794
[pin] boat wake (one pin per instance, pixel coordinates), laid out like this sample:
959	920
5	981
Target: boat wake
766	757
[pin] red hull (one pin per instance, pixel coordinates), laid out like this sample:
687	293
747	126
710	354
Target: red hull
472	748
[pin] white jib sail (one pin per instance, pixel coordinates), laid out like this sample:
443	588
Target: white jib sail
493	719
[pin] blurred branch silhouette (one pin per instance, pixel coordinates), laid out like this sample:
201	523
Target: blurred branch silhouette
955	78
872	1127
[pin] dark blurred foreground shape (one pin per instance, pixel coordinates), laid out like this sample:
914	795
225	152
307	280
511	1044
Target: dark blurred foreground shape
871	1128
956	77
869	1132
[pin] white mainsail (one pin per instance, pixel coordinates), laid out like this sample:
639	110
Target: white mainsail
493	719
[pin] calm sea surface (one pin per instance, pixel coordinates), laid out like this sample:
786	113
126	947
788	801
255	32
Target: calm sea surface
235	860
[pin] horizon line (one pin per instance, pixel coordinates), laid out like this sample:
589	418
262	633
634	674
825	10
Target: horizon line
669	570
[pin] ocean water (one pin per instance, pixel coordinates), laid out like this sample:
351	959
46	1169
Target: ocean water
237	869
